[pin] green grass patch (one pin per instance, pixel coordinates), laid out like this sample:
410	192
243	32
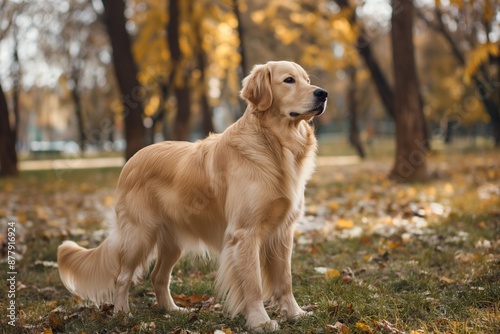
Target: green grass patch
442	277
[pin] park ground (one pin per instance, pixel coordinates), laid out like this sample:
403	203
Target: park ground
371	256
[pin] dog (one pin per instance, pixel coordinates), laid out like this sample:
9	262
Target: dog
235	195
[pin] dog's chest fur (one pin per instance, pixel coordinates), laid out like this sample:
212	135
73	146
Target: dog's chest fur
284	157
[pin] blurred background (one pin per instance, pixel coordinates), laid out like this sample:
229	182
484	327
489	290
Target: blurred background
82	78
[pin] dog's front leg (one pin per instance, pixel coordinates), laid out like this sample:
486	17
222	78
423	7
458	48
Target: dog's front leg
277	256
239	279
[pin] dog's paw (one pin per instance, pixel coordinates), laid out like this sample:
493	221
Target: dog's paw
296	315
271	325
181	310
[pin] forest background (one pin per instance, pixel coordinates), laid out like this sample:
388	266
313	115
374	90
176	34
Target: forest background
79	77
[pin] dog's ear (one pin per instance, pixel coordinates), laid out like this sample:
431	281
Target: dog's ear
257	88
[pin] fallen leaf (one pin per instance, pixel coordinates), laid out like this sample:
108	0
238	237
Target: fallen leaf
332	273
321	270
448	188
345	223
189	301
447	280
223	331
387	327
22	218
56	319
9	187
347	275
364	327
333	206
392	244
41	213
338	328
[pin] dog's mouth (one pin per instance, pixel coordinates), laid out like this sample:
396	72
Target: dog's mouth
316	110
320	108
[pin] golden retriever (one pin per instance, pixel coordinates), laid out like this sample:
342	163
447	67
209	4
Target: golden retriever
235	195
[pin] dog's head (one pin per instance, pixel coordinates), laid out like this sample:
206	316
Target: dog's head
284	87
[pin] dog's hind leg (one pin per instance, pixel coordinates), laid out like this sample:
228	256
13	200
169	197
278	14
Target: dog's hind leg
133	254
168	254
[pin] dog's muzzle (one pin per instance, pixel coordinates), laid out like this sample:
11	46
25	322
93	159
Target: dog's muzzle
321	95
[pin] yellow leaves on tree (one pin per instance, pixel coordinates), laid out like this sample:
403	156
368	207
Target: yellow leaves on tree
477	57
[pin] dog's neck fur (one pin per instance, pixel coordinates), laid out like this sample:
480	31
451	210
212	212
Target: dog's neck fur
294	134
281	135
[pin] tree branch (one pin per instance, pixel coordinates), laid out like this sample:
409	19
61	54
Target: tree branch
441	28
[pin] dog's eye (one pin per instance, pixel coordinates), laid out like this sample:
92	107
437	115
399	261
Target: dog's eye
289	80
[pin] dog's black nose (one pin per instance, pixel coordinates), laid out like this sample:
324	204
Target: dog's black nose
321	94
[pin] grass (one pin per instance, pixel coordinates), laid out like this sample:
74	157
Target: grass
441	278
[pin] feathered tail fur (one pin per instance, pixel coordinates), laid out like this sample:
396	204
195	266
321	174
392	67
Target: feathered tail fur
89	273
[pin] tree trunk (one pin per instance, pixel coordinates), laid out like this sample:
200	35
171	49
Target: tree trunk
75	95
241	35
16	82
352	107
126	74
382	86
179	76
8	154
496	133
487	93
182	118
363	46
206	110
411	143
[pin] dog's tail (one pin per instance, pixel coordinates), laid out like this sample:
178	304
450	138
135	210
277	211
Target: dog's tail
90	273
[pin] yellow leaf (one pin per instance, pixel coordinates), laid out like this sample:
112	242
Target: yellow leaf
446	280
345	223
22	218
431	191
448	188
9	187
411	192
364	327
392	244
41	213
368	257
478	56
47	331
333	206
332	273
